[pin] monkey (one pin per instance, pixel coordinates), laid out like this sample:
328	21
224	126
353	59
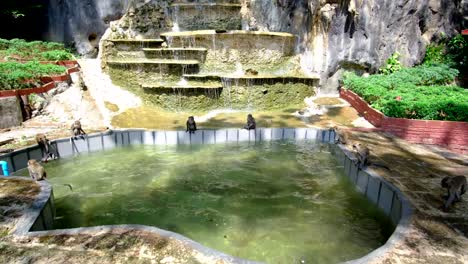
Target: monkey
77	130
251	72
251	124
36	171
45	147
362	154
191	125
343	135
456	187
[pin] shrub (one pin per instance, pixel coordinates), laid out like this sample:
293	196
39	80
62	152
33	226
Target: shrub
19	49
56	55
422	92
15	75
393	64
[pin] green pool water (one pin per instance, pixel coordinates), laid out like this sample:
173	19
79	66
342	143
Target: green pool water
277	202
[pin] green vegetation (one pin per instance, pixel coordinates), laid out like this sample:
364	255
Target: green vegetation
423	92
20	49
453	52
15	75
393	64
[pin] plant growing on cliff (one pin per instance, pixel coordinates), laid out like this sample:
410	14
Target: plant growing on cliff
393	64
457	49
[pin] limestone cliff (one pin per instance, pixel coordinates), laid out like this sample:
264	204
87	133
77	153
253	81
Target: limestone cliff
358	34
334	35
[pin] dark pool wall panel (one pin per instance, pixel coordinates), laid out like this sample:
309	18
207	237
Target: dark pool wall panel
148	137
183	138
64	148
35	153
209	137
376	189
197	138
80	145
109	140
20	159
95	143
160	137
171	138
136	137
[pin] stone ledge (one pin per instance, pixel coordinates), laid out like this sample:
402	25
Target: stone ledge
379	191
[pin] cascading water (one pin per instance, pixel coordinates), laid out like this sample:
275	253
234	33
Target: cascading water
175	19
211	63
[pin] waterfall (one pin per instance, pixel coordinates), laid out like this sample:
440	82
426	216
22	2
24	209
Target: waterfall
227	84
175	19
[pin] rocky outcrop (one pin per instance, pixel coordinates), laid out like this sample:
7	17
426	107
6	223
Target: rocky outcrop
334	35
357	34
81	23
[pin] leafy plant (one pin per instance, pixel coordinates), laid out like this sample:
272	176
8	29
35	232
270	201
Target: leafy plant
15	75
19	49
422	92
56	55
457	49
393	64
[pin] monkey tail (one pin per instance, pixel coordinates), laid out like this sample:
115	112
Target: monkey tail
69	186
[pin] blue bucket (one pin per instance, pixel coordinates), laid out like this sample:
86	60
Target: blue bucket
4	168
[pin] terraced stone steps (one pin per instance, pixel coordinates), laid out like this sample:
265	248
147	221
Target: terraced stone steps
182	87
158	66
281	43
253	79
176	53
135	44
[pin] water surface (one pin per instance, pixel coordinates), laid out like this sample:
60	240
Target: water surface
276	202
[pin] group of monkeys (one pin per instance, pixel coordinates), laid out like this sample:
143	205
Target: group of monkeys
36	171
456	186
192	126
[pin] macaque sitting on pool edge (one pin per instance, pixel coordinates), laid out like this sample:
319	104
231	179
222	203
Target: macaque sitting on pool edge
36	171
191	125
251	124
77	131
45	147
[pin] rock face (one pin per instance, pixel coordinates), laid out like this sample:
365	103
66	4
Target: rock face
82	22
10	112
334	35
357	34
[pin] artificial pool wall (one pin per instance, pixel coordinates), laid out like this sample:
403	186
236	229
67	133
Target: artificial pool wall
40	217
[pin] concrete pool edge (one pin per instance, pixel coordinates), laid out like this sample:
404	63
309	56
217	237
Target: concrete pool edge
383	194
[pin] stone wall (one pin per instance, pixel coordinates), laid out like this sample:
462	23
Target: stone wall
448	134
380	192
10	112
